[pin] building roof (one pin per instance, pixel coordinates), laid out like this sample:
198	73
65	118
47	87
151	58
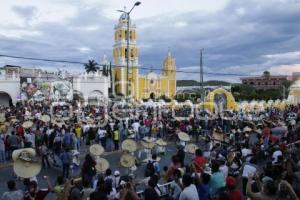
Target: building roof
263	77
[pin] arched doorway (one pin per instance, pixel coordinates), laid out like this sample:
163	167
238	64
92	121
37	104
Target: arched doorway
220	101
95	97
78	98
152	95
5	99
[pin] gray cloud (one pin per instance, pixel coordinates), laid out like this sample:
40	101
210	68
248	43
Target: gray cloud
235	39
26	12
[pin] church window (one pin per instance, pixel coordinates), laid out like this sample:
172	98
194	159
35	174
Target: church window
132	53
126	53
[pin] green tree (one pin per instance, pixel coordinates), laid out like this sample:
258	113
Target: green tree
91	66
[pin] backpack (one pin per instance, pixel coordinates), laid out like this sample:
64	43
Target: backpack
150	169
66	158
67	139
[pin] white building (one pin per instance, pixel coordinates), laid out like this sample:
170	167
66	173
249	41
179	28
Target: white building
14	80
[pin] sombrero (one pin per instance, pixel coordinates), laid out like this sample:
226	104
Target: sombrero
149	139
184	136
148	145
66	118
2	119
161	142
292	122
247	129
27	124
3	128
30	117
45	118
129	145
59	124
96	149
259	131
101	164
127	160
90	121
191	148
259	124
25	165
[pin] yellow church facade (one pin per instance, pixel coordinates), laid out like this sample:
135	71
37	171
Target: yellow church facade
145	86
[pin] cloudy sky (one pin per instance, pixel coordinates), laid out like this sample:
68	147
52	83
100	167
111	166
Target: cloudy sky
238	36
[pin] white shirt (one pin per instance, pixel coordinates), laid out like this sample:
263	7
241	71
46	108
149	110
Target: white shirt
189	193
248	169
135	127
224	170
275	156
101	133
246	152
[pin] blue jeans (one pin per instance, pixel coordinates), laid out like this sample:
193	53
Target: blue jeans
2	156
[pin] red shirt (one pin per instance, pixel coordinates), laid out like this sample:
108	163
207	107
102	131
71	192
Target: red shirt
20	131
266	132
235	195
199	162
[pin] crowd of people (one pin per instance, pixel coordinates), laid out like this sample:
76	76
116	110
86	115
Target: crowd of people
239	155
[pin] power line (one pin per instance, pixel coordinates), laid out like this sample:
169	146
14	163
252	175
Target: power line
146	68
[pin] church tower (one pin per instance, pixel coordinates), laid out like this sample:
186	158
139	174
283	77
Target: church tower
120	57
169	72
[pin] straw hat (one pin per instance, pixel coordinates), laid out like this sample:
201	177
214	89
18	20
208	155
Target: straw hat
191	148
247	129
149	139
25	165
161	142
66	118
127	160
148	145
3	128
90	121
101	165
292	122
129	145
96	149
27	124
16	153
59	124
2	119
184	136
45	118
259	131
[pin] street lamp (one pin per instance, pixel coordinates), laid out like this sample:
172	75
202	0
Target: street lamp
201	79
127	38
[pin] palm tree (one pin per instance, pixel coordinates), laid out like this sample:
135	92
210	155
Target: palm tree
91	66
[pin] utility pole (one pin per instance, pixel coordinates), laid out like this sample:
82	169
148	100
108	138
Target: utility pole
201	79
